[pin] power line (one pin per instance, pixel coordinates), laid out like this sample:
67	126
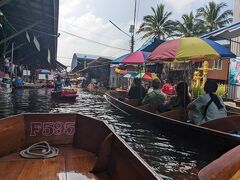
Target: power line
92	41
119	28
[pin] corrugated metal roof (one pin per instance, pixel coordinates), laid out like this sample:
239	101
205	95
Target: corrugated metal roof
226	33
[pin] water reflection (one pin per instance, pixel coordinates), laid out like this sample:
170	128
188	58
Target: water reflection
167	154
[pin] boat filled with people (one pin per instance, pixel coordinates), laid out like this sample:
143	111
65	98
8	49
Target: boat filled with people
213	132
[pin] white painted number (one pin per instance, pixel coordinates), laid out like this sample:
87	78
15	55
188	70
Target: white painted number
52	128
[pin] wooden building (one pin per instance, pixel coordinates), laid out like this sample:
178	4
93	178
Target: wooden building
29	32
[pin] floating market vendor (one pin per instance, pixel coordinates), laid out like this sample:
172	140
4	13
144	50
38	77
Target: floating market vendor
58	84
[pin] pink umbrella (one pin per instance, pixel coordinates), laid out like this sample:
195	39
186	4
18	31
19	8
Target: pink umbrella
137	58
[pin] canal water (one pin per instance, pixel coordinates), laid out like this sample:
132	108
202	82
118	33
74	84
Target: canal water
170	156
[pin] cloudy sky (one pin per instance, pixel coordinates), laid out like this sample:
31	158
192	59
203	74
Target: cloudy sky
90	19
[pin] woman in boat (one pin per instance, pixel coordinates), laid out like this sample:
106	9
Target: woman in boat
137	91
182	99
155	98
208	106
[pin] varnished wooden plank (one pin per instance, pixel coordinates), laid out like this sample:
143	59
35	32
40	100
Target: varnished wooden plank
10	170
80	164
52	168
31	169
12	134
72	152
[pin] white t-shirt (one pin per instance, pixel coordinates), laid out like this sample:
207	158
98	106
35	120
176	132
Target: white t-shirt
196	115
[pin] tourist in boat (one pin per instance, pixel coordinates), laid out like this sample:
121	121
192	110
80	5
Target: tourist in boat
58	84
18	82
137	91
208	106
67	83
178	101
155	98
168	88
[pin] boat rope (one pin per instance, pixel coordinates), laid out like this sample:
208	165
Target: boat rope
46	151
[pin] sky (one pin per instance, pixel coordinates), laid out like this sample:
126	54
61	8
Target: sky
90	19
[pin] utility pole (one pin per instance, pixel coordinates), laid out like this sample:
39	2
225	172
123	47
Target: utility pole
132	27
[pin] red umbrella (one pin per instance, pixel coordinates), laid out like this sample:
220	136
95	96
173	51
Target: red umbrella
137	58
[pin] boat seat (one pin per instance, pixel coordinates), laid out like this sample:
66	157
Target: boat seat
132	102
147	107
226	124
177	114
103	155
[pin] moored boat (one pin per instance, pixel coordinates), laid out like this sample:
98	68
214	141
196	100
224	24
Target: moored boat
87	149
211	134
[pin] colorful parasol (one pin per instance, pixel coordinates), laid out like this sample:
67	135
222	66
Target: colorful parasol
130	75
119	59
187	49
120	71
147	76
136	58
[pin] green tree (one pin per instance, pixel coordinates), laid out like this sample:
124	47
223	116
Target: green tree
157	25
213	16
190	26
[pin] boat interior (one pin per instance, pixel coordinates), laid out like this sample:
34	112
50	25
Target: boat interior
88	149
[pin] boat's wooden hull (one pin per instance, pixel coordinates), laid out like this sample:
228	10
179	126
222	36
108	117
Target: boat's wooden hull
220	141
60	97
82	142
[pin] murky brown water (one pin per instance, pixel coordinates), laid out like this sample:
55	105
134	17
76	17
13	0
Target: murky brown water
169	155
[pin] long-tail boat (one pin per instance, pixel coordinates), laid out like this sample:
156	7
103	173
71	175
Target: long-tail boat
215	133
226	167
87	149
64	95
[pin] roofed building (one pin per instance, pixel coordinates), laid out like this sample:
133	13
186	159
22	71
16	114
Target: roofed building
29	31
81	61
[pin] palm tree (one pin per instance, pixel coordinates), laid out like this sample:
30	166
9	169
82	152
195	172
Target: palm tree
213	17
157	25
189	27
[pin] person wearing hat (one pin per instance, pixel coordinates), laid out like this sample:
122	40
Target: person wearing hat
58	84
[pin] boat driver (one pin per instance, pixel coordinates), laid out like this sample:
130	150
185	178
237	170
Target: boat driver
58	84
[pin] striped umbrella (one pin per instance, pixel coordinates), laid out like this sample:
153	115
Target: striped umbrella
187	49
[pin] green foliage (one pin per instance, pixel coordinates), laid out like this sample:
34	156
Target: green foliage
157	25
190	26
213	16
